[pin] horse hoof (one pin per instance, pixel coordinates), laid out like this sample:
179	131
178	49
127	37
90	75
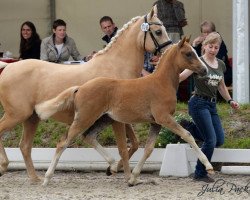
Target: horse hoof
131	185
108	171
45	182
35	180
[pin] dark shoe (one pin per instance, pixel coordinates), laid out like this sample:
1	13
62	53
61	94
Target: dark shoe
205	179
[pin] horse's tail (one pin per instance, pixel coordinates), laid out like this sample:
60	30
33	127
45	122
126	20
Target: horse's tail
61	102
3	64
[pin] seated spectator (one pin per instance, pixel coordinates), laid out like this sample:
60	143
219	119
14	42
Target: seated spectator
59	47
30	41
108	27
207	27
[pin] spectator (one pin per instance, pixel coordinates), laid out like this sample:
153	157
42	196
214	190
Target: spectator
59	47
150	61
207	27
172	14
30	41
202	105
108	27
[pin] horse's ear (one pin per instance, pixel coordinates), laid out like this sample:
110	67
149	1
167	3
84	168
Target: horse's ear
153	11
188	39
180	44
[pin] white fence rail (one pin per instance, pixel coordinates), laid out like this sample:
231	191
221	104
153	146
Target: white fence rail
80	159
174	160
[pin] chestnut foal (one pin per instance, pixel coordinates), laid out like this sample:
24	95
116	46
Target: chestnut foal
148	99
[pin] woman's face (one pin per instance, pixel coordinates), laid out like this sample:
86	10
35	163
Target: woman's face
205	30
212	49
60	32
26	32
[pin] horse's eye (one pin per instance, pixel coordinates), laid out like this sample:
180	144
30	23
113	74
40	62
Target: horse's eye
189	54
158	32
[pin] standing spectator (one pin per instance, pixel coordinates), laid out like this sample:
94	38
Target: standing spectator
108	27
207	27
30	41
59	47
202	105
172	14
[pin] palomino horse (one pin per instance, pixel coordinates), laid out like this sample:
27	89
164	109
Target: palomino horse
26	83
148	99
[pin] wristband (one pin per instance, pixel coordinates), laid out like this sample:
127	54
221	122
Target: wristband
229	101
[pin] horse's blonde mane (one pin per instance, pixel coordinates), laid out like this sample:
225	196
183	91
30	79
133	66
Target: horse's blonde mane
119	32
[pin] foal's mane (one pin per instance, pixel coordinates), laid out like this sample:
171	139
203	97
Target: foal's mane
119	32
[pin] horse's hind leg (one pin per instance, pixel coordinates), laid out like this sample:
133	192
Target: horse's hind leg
29	129
74	130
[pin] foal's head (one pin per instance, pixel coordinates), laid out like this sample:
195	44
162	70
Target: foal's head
155	37
187	58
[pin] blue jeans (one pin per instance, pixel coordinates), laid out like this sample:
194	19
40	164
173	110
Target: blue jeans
206	127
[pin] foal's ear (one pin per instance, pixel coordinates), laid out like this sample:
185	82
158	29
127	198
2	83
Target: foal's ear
180	44
188	39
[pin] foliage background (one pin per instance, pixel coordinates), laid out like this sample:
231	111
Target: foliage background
236	125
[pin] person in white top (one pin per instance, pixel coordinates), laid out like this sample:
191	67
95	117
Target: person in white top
59	47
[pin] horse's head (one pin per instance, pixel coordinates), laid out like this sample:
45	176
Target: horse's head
187	58
155	35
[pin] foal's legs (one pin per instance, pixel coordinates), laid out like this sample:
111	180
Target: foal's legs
185	135
120	134
153	133
74	130
29	129
101	124
134	143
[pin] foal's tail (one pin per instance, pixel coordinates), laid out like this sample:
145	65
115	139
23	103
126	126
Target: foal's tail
61	102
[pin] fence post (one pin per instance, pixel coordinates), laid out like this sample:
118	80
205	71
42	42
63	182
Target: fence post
175	161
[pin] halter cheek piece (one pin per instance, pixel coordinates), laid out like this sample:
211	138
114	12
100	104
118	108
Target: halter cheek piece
146	28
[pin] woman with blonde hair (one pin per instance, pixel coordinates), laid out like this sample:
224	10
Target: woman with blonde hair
206	125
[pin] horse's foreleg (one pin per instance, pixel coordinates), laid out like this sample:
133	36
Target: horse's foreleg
134	143
6	124
185	135
153	133
29	129
4	162
120	134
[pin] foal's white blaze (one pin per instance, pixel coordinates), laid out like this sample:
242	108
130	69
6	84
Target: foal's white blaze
204	65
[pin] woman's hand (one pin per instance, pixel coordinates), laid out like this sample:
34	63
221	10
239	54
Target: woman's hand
234	104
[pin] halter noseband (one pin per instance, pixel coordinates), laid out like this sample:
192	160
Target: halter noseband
158	46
